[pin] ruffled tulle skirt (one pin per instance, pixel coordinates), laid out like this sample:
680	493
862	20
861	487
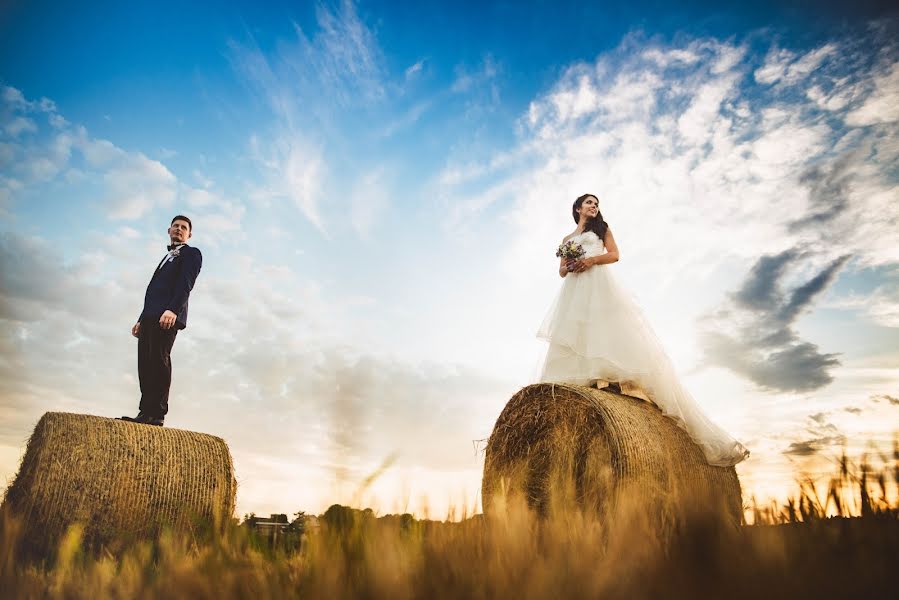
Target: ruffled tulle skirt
596	331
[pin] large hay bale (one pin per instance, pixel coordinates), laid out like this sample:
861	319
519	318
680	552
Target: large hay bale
607	446
121	481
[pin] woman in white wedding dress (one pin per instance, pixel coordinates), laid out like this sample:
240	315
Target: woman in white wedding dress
597	333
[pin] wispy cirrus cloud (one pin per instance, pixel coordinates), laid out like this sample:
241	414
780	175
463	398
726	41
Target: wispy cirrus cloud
369	200
467	78
343	56
415	69
339	66
309	84
879	306
292	168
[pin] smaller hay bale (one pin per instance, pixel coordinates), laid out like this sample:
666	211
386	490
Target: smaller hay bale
120	481
604	447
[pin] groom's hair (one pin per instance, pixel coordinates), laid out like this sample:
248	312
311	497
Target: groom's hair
190	225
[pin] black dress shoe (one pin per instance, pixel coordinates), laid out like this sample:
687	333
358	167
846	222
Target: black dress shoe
145	419
136	419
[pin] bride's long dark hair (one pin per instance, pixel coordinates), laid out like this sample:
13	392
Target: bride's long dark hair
597	224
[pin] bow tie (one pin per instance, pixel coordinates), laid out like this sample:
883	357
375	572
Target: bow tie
173	246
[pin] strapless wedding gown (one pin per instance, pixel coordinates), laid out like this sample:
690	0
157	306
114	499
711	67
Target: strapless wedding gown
596	331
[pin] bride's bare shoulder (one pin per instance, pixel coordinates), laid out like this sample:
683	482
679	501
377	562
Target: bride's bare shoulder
569	236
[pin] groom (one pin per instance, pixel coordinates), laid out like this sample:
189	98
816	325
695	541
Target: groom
165	312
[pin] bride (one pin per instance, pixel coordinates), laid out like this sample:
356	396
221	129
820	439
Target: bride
598	334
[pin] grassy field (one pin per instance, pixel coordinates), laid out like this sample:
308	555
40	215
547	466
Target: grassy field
842	544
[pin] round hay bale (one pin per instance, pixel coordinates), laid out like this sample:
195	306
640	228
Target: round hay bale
121	481
552	441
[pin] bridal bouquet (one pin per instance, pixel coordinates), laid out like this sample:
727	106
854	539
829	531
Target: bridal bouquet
570	250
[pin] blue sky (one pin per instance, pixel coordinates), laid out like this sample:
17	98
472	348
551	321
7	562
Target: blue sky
377	191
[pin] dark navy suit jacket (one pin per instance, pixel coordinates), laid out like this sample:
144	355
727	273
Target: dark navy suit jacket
171	284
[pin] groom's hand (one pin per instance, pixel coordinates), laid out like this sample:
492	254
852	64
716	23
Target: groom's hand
167	320
136	329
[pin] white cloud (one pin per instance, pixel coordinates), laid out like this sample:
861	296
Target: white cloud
58	122
14	98
13	102
456	173
826	101
20	125
97	152
572	103
466	80
197	198
294	170
775	66
220	222
884	310
728	58
132	184
805	65
136	185
202	179
415	69
340	66
880	306
464	208
128	233
704	114
128	184
38	156
347	54
405	121
882	106
786	67
309	83
671	56
369	200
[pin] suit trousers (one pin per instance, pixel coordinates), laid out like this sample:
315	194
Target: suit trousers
154	366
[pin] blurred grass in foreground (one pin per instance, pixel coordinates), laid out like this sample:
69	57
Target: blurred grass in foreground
838	544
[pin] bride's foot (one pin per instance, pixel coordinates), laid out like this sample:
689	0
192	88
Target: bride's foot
629	388
609	386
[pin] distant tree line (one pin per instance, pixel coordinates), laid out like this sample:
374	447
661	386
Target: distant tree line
278	533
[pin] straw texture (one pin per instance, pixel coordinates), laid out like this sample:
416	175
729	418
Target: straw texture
607	445
119	480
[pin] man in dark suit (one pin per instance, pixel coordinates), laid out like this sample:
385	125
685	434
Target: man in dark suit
164	314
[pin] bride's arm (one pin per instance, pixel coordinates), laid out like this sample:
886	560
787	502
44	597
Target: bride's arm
612	255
